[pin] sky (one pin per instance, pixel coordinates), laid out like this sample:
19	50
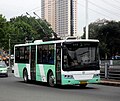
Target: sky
97	9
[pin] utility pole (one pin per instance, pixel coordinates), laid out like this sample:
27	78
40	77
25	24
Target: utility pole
9	52
86	19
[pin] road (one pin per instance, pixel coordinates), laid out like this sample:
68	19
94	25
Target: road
14	89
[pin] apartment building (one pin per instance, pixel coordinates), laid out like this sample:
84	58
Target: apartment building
62	15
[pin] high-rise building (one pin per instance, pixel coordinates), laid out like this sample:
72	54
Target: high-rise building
61	14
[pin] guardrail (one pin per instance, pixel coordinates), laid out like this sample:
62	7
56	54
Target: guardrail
110	69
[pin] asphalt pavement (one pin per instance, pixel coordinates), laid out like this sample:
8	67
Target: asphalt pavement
14	89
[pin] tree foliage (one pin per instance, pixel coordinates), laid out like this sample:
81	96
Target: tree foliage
20	28
2	30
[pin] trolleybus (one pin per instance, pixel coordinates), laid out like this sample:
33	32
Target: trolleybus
64	62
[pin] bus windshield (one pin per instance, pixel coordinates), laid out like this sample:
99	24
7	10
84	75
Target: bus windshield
78	56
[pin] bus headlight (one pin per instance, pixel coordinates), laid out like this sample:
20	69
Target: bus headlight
68	76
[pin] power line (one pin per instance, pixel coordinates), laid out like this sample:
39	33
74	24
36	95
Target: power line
83	6
38	8
111	4
93	10
103	13
96	11
104	9
47	5
34	9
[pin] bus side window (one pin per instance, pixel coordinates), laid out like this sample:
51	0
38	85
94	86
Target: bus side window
17	55
45	54
39	54
51	56
26	53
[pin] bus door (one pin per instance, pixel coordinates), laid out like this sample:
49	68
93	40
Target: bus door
33	63
58	63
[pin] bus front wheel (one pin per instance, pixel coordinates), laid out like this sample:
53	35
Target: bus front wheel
25	76
51	79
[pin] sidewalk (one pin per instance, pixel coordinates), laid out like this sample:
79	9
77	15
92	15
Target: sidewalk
110	82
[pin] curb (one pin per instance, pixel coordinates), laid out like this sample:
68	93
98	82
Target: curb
110	83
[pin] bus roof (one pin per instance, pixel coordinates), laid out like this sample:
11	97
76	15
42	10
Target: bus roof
57	41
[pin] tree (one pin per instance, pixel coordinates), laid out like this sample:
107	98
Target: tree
20	28
2	31
39	28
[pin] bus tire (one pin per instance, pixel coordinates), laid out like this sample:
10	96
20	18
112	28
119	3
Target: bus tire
25	76
51	79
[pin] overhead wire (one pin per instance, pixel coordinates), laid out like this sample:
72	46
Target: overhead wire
104	9
34	9
93	10
111	4
97	12
47	4
37	8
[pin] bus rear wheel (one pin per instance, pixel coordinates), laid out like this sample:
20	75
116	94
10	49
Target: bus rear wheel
51	79
25	76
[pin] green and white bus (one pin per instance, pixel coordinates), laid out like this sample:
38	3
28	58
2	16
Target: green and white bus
64	62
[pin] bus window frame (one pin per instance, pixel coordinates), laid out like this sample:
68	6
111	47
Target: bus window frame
46	55
24	58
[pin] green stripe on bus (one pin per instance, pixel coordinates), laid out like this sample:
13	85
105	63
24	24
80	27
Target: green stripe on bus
47	68
20	68
38	75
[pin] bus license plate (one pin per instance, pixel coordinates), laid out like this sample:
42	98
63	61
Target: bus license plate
83	82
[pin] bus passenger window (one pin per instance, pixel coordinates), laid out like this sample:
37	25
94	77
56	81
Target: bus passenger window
45	57
39	54
51	54
50	58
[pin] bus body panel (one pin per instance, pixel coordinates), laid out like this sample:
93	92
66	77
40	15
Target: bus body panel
42	71
18	70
